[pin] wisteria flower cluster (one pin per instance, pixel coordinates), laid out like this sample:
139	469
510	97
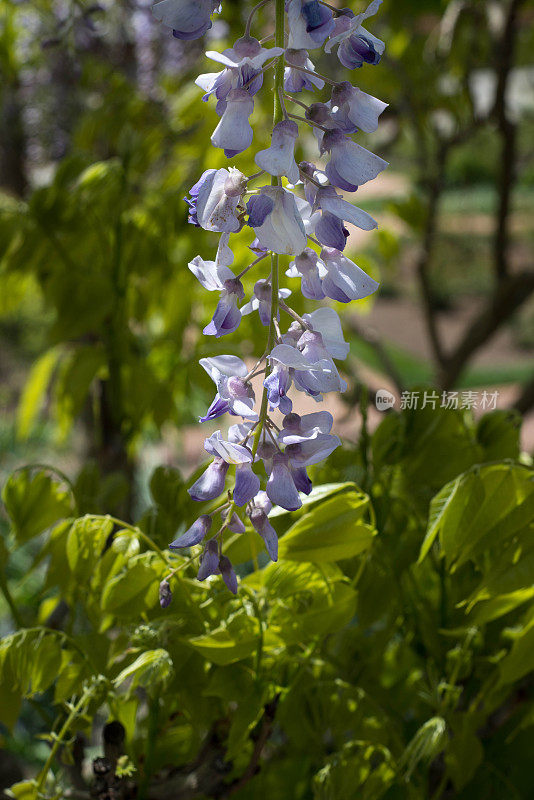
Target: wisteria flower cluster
293	209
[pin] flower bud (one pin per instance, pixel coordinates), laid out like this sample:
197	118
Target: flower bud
165	594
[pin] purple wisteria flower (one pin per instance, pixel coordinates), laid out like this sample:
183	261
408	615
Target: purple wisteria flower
214	200
350	165
279	158
294	79
234	395
260	522
234	133
309	267
326	321
194	535
189	19
281	489
216	277
354	110
209	561
243	65
274	216
211	483
345	281
310	23
356	45
310	365
294	210
165	594
261	301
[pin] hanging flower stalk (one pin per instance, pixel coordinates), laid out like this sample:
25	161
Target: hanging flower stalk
292	209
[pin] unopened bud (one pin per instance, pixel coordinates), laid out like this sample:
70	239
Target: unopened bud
165	594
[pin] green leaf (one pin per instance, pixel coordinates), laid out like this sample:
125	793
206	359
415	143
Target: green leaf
34	391
244	718
428	742
360	769
24	790
228	643
499	606
134	590
486	506
317	494
34	502
511	575
85	546
438	509
152	669
331	532
498	433
311	613
520	660
30	662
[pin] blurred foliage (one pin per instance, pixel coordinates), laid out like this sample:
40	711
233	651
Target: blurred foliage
388	652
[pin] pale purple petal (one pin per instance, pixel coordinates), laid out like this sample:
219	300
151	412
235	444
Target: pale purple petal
261	524
228	574
198	530
211	483
234	132
209	561
281	489
247	484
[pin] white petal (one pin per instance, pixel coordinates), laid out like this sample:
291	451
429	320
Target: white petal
209	274
222	58
207	80
289	357
356	164
346	211
224	365
327	322
224	255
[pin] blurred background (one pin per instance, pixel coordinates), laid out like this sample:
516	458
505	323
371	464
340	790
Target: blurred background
102	132
100	319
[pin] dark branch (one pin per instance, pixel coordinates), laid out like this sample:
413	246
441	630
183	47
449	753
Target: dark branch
525	402
507	297
263	733
505	52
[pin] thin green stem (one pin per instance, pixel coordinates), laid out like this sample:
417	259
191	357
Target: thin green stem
278	115
295	316
279	41
308	122
138	532
17	618
294	100
257	261
58	741
315	74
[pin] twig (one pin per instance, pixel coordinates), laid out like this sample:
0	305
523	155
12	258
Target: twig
251	15
508	296
508	132
370	336
265	729
311	72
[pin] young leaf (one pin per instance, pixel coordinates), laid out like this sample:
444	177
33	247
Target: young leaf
331	532
34	501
